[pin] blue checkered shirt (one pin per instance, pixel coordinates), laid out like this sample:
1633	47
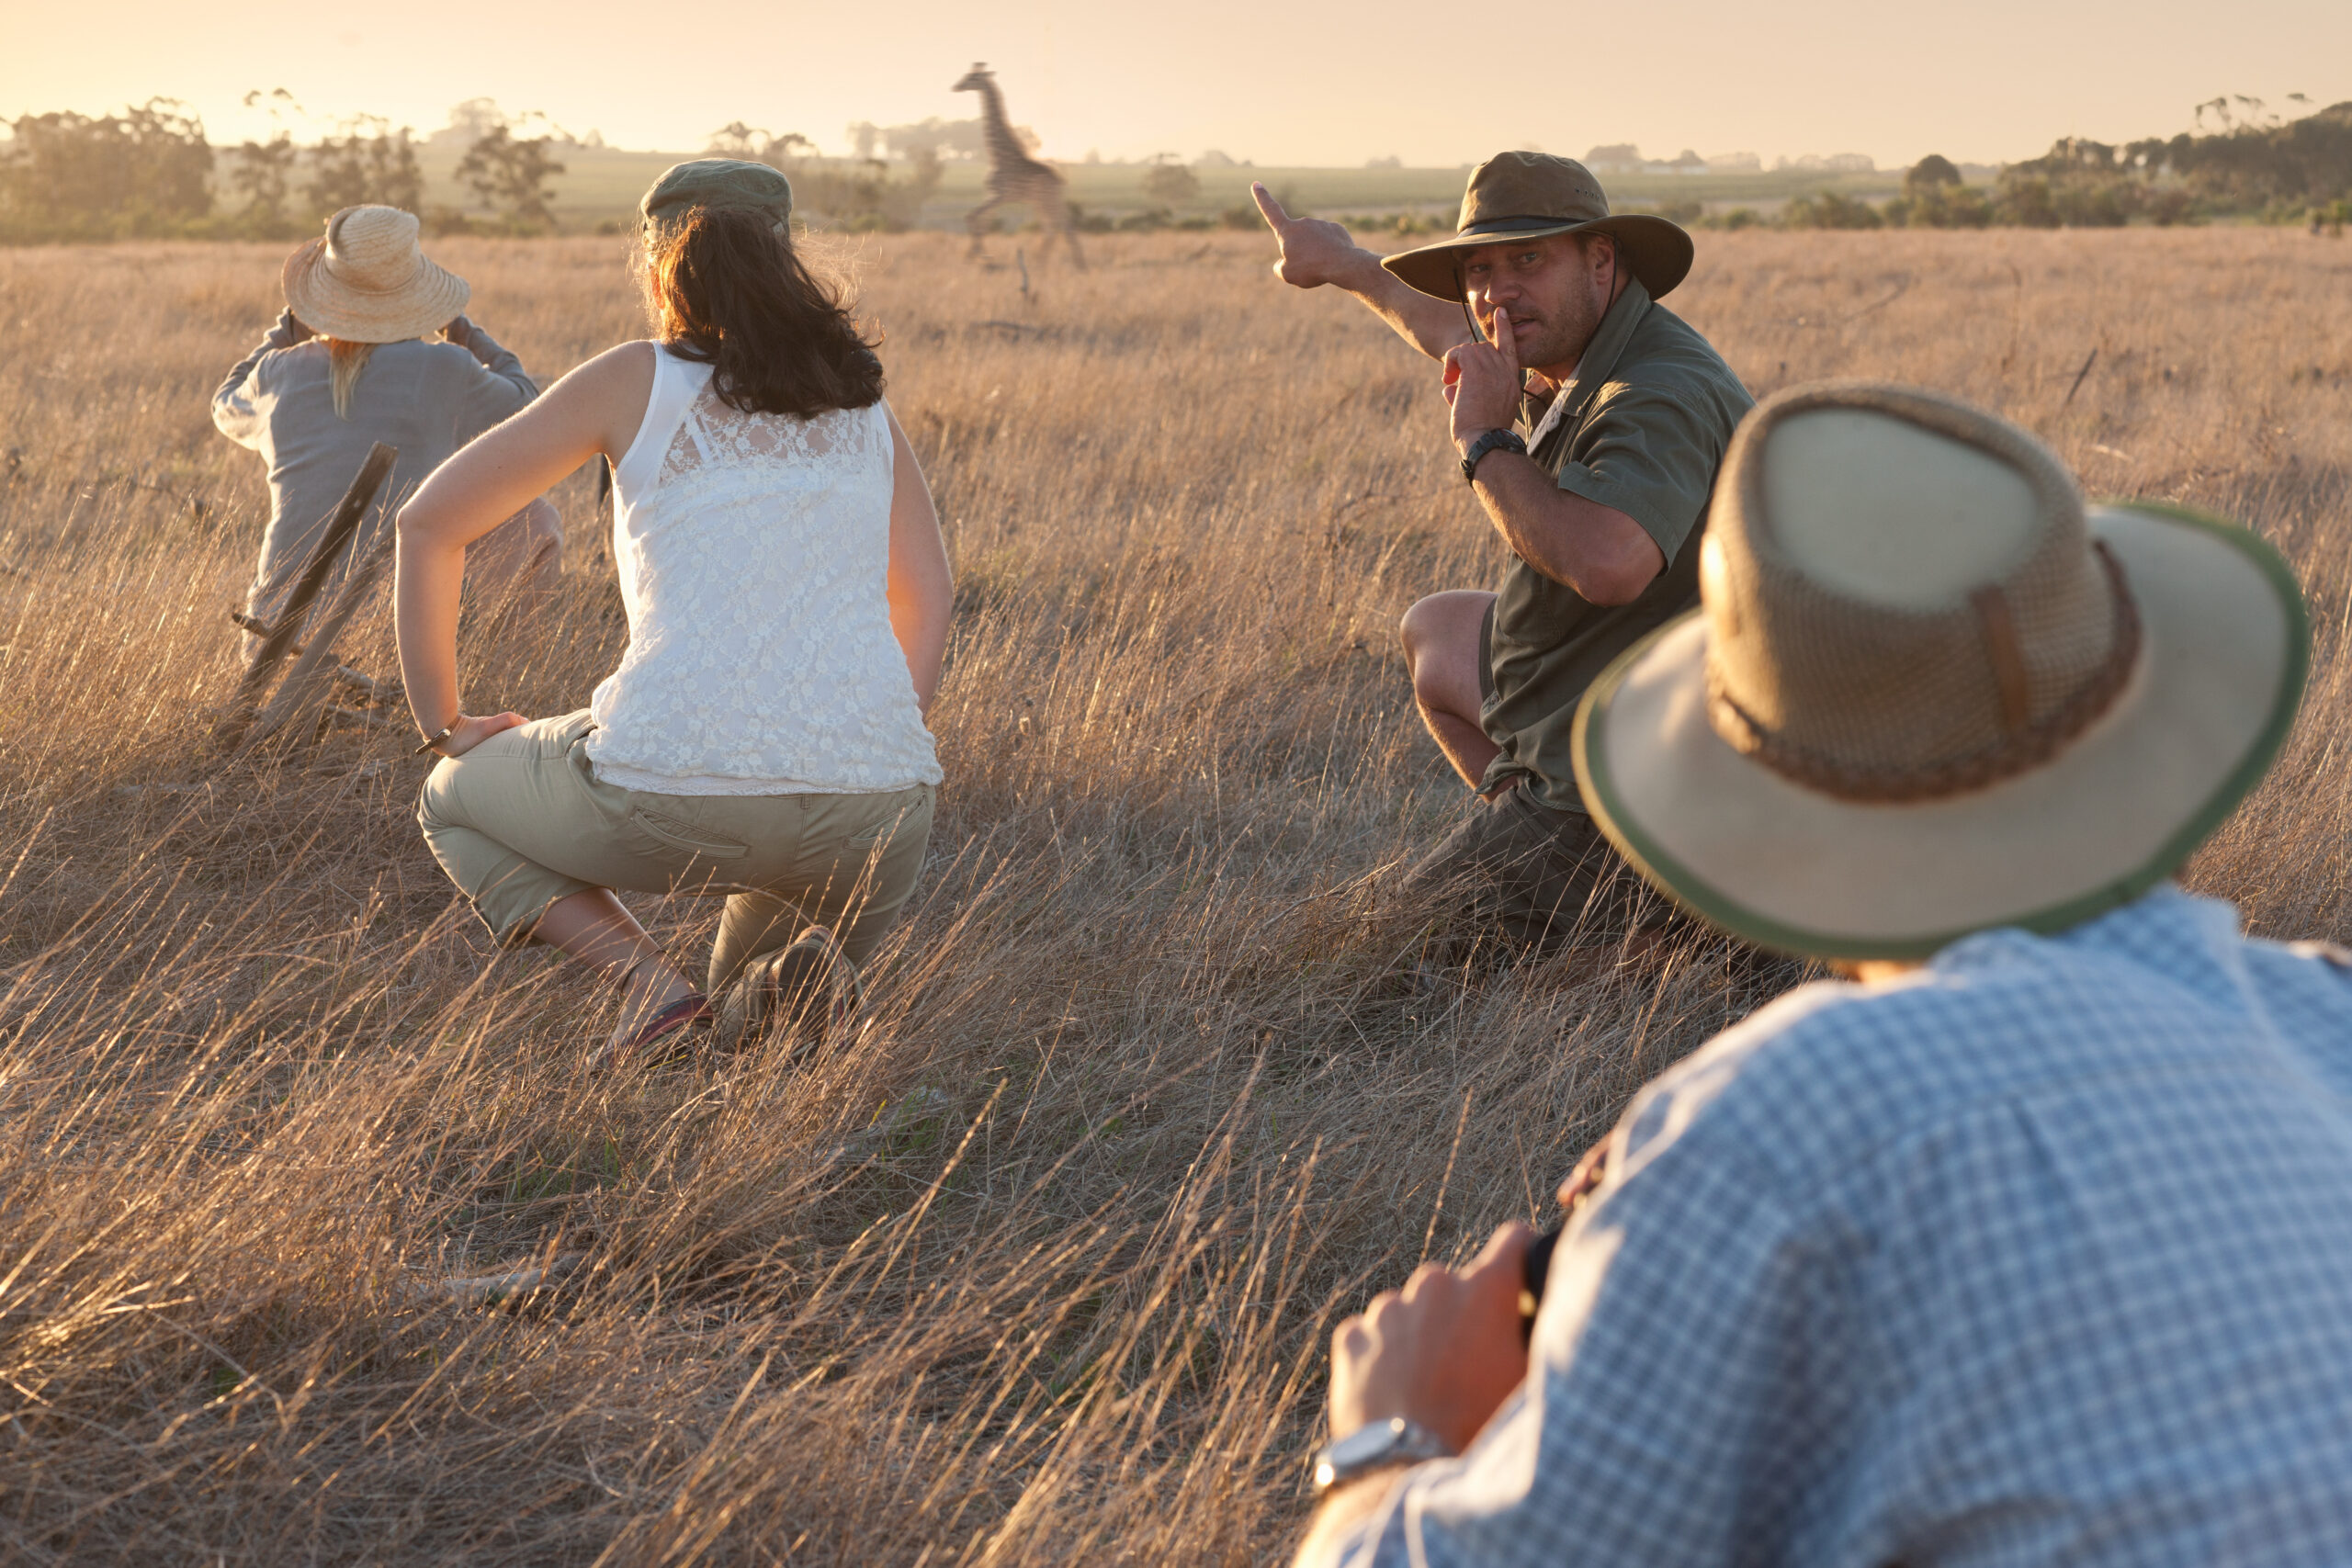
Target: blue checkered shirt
2039	1255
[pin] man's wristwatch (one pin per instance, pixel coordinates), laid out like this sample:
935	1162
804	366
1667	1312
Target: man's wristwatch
1394	1441
1506	439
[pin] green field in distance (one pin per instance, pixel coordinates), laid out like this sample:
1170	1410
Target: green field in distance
601	186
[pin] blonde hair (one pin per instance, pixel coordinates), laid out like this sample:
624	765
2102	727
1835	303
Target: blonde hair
345	362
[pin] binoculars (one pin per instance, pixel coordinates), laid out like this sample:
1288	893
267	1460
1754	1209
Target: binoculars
1535	1265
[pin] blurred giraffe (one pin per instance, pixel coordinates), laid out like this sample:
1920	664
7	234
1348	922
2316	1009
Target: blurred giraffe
1013	175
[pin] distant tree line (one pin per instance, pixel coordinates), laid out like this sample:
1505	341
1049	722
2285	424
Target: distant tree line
145	171
2253	164
151	172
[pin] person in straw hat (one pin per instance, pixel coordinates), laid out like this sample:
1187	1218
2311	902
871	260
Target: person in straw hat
2030	1243
350	363
1589	420
764	737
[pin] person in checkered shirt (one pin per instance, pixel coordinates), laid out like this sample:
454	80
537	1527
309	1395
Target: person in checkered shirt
2031	1240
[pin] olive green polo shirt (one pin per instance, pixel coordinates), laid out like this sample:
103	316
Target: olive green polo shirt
1647	419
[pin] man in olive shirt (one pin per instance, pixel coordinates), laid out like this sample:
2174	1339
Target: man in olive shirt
1590	421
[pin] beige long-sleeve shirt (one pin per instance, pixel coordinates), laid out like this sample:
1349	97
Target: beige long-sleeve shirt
427	397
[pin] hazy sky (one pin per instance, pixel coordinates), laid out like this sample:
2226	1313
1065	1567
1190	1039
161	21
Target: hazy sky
1991	79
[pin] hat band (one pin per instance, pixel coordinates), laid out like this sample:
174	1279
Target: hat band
2026	746
348	276
1485	226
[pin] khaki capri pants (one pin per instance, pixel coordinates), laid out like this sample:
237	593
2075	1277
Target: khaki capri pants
522	821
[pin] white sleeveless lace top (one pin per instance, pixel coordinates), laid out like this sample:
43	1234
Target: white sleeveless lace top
754	552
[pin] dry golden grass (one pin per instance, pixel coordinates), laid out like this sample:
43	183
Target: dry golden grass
1037	1264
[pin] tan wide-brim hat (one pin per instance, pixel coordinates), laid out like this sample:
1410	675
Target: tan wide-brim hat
366	281
1928	694
1528	195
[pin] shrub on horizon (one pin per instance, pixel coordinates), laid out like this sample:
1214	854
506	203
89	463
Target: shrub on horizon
1169	183
1829	209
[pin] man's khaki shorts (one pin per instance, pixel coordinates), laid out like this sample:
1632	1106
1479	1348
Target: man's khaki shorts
1519	876
522	821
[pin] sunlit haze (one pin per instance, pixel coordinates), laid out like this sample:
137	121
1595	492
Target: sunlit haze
1993	81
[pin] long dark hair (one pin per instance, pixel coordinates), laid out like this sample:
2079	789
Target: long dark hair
726	287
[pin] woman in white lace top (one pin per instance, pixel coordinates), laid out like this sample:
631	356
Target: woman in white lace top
788	597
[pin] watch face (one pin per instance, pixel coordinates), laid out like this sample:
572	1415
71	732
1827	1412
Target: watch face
1365	1444
1383	1443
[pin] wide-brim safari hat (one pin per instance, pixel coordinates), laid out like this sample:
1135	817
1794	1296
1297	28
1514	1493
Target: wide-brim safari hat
1928	692
366	281
1528	195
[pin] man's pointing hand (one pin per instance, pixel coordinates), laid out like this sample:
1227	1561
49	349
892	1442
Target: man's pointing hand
1314	251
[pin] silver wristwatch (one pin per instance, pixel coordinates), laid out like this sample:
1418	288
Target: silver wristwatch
1382	1444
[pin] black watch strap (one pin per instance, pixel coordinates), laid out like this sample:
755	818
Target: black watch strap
1506	439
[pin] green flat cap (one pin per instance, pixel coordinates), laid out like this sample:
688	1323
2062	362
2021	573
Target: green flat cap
717	182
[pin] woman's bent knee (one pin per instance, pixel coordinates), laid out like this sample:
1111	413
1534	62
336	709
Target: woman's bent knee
470	806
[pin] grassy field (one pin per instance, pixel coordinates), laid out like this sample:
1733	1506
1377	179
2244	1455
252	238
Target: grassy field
1035	1264
602	186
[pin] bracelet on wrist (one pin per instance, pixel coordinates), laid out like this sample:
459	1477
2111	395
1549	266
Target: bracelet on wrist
431	741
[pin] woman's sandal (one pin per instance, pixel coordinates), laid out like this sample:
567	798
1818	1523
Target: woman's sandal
644	1046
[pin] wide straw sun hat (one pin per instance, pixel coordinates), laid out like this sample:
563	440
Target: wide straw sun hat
366	280
1527	196
1928	694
